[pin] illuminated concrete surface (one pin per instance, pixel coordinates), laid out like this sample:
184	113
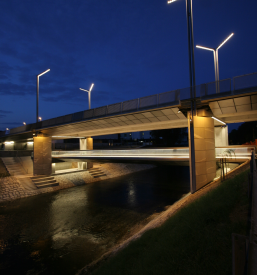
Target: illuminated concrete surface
233	153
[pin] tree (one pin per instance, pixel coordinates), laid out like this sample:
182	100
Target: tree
246	132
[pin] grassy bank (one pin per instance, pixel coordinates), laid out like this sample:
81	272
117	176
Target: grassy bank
196	240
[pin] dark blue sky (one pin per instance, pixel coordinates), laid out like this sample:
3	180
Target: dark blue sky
129	49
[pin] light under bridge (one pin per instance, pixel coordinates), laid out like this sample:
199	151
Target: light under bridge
233	153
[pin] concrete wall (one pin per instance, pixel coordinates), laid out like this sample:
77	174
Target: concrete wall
42	156
205	162
221	136
27	164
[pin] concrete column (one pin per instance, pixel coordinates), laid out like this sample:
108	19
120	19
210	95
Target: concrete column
42	161
221	136
205	162
85	144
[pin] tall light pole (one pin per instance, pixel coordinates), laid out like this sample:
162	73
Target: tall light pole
190	37
89	95
216	59
38	88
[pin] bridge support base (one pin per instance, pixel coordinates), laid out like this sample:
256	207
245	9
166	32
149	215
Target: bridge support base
85	144
42	156
204	143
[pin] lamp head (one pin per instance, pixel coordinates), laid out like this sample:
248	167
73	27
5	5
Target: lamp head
225	40
204	48
92	85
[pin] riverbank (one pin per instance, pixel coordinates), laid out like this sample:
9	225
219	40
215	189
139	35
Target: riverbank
178	240
16	187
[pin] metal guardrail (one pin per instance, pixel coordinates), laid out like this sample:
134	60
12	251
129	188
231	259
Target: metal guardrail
232	153
241	84
165	153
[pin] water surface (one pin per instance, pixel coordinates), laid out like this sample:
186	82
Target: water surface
61	232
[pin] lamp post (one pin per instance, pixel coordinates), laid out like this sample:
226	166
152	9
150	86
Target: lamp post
190	37
89	95
216	59
38	88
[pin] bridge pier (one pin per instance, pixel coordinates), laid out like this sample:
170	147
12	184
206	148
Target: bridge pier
221	136
42	156
204	143
85	144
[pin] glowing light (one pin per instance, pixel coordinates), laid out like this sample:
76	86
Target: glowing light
40	118
171	1
205	48
219	120
179	111
44	72
7	129
9	142
24	123
225	40
67	137
92	85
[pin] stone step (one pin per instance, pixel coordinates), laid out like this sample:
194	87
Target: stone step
96	172
99	176
45	185
45	182
42	179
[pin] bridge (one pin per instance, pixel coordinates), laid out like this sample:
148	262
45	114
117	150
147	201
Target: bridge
236	101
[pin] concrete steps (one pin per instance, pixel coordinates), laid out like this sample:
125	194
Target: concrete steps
96	173
13	167
44	181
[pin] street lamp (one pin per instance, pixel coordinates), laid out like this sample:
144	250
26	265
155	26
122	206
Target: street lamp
38	88
190	37
89	95
40	118
216	59
24	123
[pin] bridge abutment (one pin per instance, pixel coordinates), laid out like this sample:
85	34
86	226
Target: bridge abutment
204	143
85	144
42	156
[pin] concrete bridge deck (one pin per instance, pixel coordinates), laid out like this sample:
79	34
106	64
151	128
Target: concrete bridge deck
236	102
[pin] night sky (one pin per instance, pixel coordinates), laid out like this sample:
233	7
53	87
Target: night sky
129	49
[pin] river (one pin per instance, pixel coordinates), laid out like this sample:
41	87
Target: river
61	232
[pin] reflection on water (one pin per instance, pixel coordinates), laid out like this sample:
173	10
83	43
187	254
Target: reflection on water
59	233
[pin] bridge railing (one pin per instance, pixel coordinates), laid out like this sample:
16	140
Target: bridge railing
165	153
236	153
246	82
